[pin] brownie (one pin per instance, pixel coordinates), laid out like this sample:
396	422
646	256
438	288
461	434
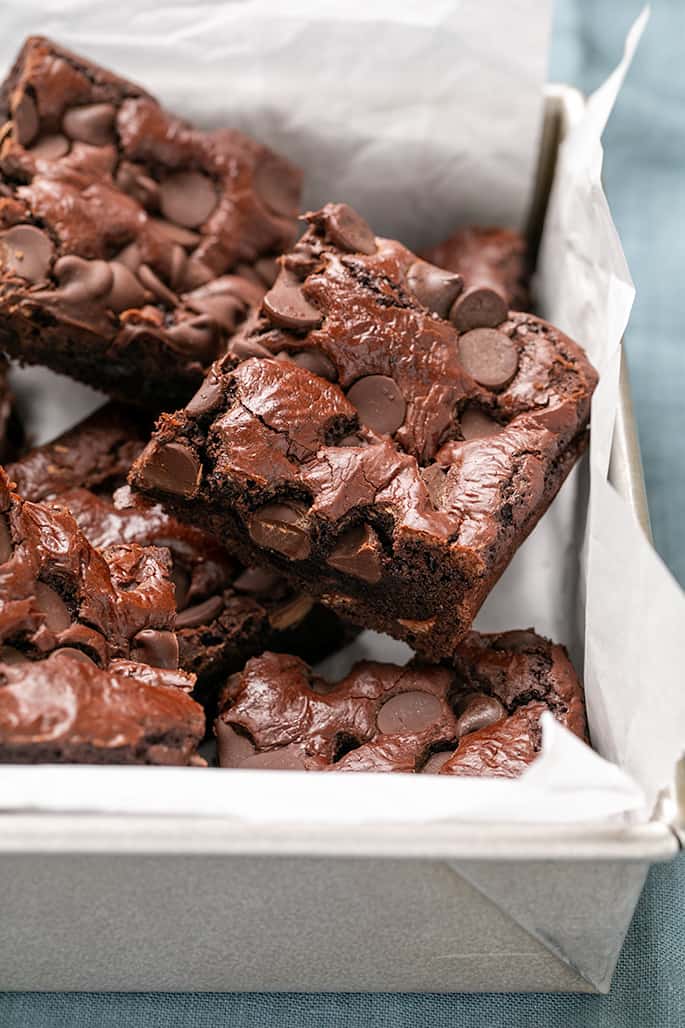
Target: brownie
488	260
381	449
226	612
477	714
131	244
66	709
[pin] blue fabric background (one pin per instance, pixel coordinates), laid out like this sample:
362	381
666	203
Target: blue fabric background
645	180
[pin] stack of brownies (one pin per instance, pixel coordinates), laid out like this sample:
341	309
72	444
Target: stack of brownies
306	437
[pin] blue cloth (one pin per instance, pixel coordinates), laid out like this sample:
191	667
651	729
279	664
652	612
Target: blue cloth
645	180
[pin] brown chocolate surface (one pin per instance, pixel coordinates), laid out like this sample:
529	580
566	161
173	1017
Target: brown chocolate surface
478	714
131	244
489	260
357	479
225	613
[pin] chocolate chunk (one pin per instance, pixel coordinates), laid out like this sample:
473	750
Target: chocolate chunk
475	424
27	252
434	288
291	613
208	396
200	614
489	357
50	148
159	290
287	758
408	712
155	647
348	230
256	580
279	191
478	307
435	762
81	280
26	123
187	198
282	527
379	403
173	467
233	747
126	291
478	712
358	553
57	616
92	123
6	549
316	362
286	304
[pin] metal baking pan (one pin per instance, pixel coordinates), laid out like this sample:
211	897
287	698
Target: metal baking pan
95	902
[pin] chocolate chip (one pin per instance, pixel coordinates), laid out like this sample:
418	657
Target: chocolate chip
248	272
200	614
316	362
232	747
71	653
130	257
478	307
173	468
435	288
379	403
348	230
358	553
286	304
434	479
478	712
291	613
267	268
25	116
92	123
51	604
489	357
197	274
278	189
178	261
158	289
255	580
243	349
282	527
475	424
50	148
176	234
208	396
187	198
132	180
195	337
435	762
126	292
287	758
151	646
27	252
78	635
6	549
81	280
226	309
408	712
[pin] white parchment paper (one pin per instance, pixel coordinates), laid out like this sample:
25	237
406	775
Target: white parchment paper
424	115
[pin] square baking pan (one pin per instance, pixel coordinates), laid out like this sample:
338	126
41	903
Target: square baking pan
118	902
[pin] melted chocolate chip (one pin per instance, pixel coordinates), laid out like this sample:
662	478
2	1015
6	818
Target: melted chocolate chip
291	613
287	758
434	288
57	617
379	403
177	234
126	292
195	337
267	268
408	712
81	280
243	349
317	362
255	580
50	148
208	396
434	479
478	307
348	230
26	123
155	647
233	748
187	198
358	553
174	468
489	357
435	762
280	192
201	613
282	527
130	257
92	123
27	252
285	304
475	424
158	289
478	712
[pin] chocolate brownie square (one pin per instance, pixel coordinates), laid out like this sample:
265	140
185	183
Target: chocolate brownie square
88	654
225	611
131	244
490	261
477	714
379	456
